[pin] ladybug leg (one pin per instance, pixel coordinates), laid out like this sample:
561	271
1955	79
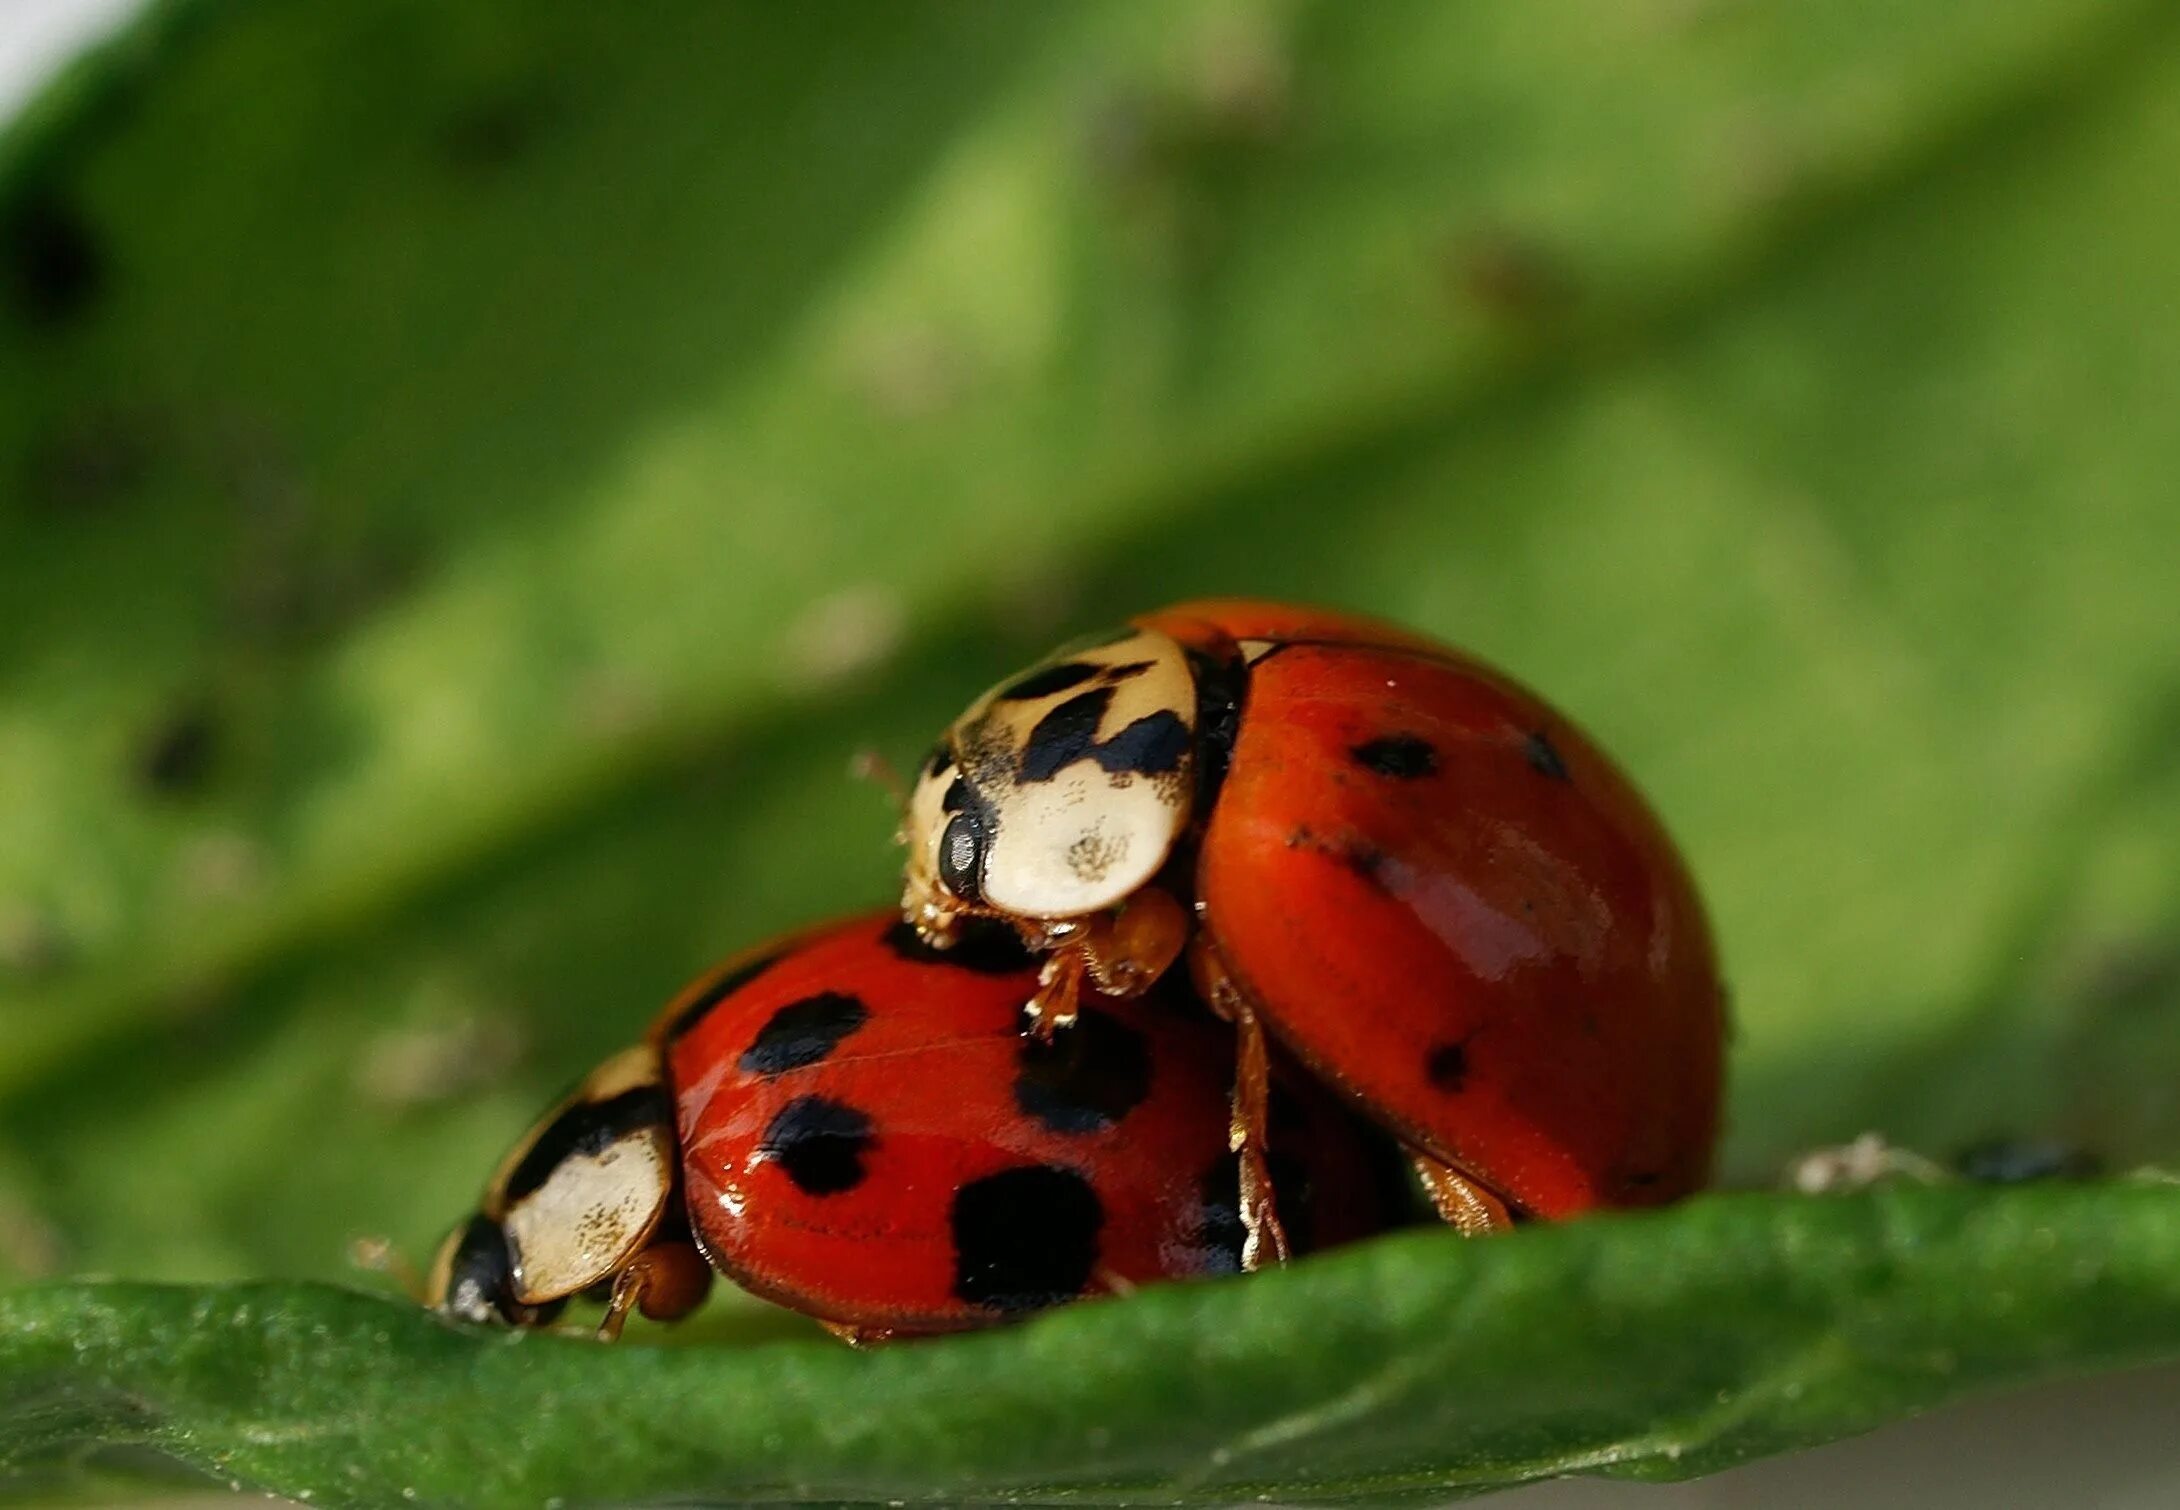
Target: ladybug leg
1059	987
858	1336
1122	953
1266	1239
665	1281
1462	1203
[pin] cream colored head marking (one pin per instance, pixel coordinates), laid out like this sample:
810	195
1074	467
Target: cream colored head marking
1061	791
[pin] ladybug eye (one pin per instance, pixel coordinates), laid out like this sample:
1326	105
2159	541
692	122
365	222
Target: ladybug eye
961	857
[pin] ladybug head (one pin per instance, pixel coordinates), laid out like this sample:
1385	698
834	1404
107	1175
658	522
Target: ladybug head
473	1278
1060	791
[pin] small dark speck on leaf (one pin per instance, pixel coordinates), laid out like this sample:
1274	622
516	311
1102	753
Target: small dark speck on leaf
55	268
176	757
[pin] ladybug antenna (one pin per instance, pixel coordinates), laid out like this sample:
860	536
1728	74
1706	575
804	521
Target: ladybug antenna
869	765
376	1254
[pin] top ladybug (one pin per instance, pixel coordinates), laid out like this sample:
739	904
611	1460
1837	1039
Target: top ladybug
1417	876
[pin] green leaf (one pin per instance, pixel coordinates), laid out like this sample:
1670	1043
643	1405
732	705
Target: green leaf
469	480
1411	1368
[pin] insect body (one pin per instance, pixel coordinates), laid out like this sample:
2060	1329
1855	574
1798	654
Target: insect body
853	1125
1397	862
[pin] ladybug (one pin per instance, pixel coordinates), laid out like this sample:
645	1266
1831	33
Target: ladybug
1406	869
853	1125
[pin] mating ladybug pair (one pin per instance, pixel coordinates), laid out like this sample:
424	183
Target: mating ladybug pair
1200	918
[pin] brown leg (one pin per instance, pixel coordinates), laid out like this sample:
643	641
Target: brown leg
1121	953
1461	1202
665	1282
1248	1136
1059	987
858	1336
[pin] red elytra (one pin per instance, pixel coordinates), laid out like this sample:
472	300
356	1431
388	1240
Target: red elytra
1421	879
866	1136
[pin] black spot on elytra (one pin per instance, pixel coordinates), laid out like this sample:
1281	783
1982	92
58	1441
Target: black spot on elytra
177	756
820	1144
1085	1078
586	1130
1153	745
1400	756
1025	1238
1046	680
1447	1067
1543	756
1128	672
1367	861
733	979
802	1033
55	269
984	945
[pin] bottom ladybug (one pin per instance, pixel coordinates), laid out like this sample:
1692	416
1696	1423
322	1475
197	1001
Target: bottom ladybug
853	1125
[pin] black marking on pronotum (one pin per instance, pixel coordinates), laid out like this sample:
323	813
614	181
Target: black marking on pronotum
1153	745
1221	686
1447	1067
587	1129
984	945
1085	1079
1543	756
935	763
802	1033
1403	757
1046	680
820	1144
1112	675
1025	1238
733	979
53	261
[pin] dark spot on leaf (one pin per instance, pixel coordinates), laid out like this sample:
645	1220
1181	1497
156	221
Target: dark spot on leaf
2018	1161
1084	1078
494	131
55	269
1025	1238
1543	756
178	754
1401	756
93	460
803	1033
819	1143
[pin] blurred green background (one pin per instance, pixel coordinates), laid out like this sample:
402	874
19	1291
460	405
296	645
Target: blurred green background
471	477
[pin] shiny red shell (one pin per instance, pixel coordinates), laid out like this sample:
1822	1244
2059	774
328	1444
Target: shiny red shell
1441	896
868	1137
